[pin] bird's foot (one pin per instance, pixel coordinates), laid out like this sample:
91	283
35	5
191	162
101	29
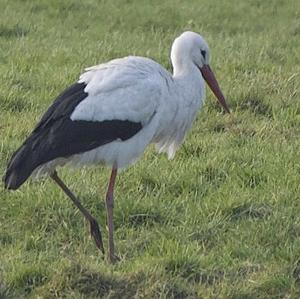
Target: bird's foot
112	258
96	234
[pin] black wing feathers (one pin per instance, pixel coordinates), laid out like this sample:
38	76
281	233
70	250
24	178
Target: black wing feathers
66	137
64	105
56	135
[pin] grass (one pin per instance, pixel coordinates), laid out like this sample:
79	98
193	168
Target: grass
222	219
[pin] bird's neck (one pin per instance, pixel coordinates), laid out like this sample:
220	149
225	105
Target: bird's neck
182	67
189	81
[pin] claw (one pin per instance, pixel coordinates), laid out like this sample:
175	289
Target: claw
96	234
113	258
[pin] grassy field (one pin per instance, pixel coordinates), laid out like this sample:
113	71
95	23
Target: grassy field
222	220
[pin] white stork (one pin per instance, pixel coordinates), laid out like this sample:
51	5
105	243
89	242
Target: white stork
112	113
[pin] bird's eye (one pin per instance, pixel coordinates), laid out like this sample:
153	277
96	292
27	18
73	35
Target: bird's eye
203	53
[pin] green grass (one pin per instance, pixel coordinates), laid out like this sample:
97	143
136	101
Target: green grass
222	219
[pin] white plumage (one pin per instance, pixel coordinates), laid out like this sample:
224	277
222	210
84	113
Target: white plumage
113	112
140	90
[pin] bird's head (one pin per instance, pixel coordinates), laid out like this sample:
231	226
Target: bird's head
191	48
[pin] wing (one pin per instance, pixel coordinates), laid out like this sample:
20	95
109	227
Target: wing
110	102
124	89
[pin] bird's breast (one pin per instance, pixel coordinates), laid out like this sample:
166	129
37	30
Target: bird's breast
177	114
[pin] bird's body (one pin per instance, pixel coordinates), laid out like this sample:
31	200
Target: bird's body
133	89
115	110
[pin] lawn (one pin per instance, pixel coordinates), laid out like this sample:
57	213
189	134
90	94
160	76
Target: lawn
222	220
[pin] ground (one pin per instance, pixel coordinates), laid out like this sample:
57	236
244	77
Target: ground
219	221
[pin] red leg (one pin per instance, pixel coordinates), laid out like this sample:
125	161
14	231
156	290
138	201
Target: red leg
109	209
95	231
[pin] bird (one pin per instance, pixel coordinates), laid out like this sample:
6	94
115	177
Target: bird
111	114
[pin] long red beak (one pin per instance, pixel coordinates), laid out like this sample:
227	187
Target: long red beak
212	82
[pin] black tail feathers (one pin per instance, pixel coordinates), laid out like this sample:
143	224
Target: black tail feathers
19	168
